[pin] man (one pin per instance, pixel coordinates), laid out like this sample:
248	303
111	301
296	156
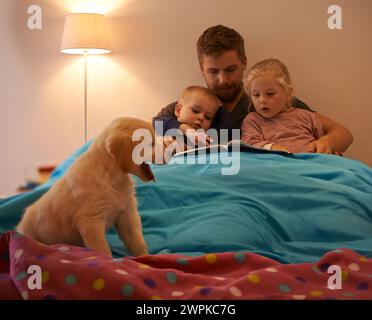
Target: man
222	60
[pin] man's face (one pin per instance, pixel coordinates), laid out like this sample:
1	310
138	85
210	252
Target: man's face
224	74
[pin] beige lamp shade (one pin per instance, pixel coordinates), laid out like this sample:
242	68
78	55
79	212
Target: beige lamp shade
85	33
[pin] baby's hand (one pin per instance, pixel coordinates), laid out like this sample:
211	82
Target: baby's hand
184	127
277	147
166	140
198	138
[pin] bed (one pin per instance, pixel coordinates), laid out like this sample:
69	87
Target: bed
271	231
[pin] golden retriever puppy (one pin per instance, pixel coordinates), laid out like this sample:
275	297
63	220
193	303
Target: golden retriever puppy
95	194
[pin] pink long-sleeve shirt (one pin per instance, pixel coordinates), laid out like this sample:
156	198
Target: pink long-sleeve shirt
293	129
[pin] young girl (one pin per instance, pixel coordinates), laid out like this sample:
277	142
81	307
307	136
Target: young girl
276	125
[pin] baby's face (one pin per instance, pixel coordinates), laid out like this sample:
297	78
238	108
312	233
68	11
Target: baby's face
198	111
268	96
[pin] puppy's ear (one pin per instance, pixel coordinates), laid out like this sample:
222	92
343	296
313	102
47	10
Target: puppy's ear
120	146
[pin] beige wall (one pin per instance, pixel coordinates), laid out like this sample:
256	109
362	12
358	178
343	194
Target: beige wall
41	90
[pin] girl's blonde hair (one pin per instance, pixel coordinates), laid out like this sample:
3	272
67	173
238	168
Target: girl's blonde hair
277	69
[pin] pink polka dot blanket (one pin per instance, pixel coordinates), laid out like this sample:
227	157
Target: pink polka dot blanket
31	270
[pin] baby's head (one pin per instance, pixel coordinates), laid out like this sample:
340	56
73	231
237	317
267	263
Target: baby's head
197	107
269	85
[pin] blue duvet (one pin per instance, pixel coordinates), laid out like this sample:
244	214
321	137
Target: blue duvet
290	208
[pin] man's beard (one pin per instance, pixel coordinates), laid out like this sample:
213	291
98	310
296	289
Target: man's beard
228	93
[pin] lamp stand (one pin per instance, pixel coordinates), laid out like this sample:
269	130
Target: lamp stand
85	98
85	33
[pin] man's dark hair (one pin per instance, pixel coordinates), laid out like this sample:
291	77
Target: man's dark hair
219	39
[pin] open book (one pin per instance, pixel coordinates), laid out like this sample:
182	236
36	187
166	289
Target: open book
232	145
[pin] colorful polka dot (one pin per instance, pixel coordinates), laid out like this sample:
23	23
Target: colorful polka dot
354	267
63	248
299	297
316	293
156	298
40	257
344	275
171	277
121	271
143	266
235	292
240	257
64	261
362	286
211	258
314	268
364	259
70	279
45	275
90	258
18	253
20	276
219	278
205	291
348	294
150	283
254	278
272	270
177	294
98	284
24	295
284	288
127	290
118	260
93	264
182	261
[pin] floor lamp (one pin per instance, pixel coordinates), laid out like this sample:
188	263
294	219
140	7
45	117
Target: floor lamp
85	33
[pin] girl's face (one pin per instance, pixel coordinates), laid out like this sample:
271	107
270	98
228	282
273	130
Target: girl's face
268	96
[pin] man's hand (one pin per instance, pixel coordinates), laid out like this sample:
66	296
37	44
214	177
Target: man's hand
322	145
337	138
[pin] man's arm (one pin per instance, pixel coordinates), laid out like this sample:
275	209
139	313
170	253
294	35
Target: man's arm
336	139
166	119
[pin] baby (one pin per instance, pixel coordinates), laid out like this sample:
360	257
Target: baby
195	111
276	125
196	108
